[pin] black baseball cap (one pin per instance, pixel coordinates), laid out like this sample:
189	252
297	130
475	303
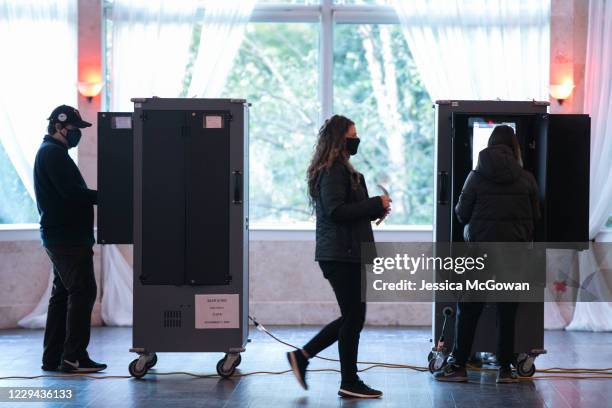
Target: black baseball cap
67	115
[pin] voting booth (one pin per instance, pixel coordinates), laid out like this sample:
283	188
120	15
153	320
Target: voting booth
181	197
555	149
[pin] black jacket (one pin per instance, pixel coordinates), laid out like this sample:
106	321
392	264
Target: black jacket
499	201
65	204
344	215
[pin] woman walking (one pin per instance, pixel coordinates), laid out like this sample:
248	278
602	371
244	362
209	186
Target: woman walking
344	213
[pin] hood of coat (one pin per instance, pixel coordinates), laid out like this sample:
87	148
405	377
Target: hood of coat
498	164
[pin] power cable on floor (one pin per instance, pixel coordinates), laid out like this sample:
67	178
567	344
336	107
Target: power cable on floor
568	373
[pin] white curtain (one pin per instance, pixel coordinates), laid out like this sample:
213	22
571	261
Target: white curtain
38	44
222	32
598	103
117	287
597	316
479	49
151	50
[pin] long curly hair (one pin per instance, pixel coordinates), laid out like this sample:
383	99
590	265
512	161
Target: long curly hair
330	147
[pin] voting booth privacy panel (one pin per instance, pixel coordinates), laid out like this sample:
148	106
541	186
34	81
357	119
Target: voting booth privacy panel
555	149
189	187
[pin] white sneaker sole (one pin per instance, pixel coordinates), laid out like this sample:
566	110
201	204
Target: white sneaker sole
345	393
296	371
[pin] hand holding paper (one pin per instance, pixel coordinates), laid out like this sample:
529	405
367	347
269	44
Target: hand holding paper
386	203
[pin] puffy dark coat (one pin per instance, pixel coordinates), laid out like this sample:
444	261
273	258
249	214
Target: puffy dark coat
499	201
344	215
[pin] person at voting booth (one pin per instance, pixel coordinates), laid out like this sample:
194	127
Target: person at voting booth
498	203
65	205
344	213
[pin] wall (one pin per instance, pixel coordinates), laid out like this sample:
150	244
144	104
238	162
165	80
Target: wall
568	39
286	285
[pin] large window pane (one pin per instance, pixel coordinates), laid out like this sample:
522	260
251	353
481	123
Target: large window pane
16	205
276	70
377	85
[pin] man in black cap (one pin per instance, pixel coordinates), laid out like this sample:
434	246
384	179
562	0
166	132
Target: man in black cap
65	205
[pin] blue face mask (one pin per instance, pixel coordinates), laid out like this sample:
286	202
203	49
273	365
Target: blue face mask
72	137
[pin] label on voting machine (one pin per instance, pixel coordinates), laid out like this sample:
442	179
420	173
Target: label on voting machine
217	311
213	122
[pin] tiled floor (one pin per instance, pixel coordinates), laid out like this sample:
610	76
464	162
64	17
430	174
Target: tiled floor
20	355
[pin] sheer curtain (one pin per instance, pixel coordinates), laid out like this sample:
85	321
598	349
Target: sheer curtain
598	103
153	53
482	49
479	49
149	49
38	42
222	32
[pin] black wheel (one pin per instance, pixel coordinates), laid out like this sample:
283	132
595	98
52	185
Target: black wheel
523	371
222	372
430	356
153	361
238	361
134	372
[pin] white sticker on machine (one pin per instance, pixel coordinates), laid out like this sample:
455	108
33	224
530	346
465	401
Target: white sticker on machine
217	311
213	122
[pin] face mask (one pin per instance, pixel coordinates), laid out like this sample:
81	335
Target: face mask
72	137
352	143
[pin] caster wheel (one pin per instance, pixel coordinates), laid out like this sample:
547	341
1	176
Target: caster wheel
526	368
436	364
238	361
135	371
224	371
430	356
151	363
432	365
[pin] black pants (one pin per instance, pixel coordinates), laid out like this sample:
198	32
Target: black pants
345	279
466	320
72	299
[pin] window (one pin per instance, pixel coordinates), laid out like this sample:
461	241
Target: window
33	80
276	70
303	60
16	205
377	85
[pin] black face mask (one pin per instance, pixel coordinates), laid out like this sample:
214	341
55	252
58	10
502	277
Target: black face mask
72	137
352	143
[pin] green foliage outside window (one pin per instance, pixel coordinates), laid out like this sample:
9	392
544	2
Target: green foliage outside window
277	71
16	205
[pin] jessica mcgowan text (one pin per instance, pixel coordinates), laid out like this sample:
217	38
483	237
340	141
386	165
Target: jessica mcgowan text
423	285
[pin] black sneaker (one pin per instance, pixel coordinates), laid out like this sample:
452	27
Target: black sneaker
358	389
451	373
505	375
50	367
85	365
298	364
